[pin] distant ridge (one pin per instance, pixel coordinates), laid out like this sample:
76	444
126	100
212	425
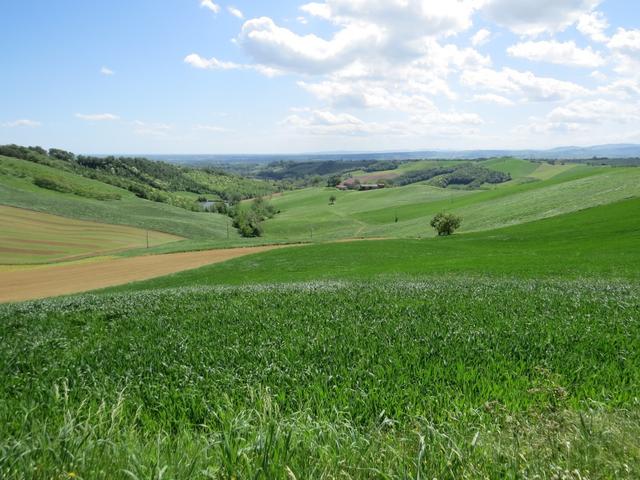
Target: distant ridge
567	153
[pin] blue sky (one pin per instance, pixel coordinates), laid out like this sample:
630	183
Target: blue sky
194	76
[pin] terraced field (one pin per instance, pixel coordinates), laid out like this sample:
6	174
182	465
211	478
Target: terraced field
30	237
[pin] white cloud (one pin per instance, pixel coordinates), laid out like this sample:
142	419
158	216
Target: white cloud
561	53
528	17
625	46
98	117
322	122
626	42
327	123
593	25
414	18
107	71
595	112
623	88
524	85
212	128
281	48
210	5
22	123
481	37
493	98
235	12
197	61
151	129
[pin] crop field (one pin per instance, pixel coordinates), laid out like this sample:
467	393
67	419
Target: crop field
30	237
461	378
18	284
405	212
600	242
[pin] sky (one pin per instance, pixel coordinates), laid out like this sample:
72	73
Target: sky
287	76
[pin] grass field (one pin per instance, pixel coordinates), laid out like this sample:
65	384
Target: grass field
451	379
17	190
600	242
34	237
510	350
374	213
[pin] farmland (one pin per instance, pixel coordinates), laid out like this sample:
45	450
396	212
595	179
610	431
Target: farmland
509	350
33	237
453	378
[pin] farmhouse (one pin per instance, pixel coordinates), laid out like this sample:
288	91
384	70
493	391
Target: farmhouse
371	186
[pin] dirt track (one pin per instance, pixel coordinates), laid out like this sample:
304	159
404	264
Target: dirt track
57	280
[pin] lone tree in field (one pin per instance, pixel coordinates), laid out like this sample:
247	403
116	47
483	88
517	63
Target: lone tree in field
332	200
446	223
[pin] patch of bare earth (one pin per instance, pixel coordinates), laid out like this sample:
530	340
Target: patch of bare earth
16	286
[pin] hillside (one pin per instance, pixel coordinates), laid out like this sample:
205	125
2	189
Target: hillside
536	191
558	247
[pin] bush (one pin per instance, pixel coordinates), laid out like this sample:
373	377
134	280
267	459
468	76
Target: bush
60	185
54	184
248	224
446	223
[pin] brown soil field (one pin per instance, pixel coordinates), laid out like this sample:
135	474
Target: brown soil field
54	280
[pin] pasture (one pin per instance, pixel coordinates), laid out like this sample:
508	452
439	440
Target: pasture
30	237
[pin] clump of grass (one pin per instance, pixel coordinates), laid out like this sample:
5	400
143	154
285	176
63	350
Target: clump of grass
462	378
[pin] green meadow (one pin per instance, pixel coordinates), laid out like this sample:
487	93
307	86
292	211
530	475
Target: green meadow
508	350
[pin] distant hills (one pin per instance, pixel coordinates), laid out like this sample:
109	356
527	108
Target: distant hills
560	153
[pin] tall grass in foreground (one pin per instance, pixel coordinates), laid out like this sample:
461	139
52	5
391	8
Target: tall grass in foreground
437	379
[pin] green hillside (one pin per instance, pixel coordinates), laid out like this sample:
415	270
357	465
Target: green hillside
100	202
600	242
373	214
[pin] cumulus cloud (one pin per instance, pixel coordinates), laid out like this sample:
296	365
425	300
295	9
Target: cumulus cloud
595	112
493	98
107	71
593	25
527	17
281	48
561	53
98	117
22	123
413	18
524	85
327	123
481	37
197	61
235	12
215	8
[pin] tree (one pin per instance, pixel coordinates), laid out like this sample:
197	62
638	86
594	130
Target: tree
446	223
334	181
332	200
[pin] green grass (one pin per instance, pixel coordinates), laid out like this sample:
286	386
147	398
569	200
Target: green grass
373	214
460	378
17	190
599	242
